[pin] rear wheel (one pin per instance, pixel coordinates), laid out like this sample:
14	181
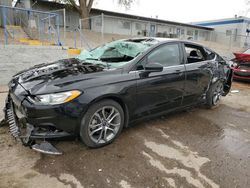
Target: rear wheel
214	94
102	123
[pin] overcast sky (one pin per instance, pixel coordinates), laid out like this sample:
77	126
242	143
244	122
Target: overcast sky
180	10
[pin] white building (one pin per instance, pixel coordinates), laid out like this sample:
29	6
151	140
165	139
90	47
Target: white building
231	31
124	24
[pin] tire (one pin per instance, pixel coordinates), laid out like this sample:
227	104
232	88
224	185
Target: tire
214	94
98	130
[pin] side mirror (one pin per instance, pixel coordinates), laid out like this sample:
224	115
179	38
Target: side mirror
153	67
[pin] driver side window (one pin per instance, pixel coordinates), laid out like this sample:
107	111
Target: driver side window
167	55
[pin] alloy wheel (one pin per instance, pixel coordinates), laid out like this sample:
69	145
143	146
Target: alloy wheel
104	124
217	93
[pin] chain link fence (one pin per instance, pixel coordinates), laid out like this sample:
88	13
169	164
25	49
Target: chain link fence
19	24
104	28
230	39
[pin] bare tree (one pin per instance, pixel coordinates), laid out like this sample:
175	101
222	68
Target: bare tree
84	6
247	8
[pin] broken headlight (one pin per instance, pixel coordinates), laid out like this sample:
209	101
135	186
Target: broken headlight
55	98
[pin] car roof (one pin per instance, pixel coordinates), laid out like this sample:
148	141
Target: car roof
160	40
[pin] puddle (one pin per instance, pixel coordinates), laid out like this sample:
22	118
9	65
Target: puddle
180	172
181	154
234	141
170	181
70	179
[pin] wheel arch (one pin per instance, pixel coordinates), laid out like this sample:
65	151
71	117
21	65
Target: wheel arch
226	80
117	99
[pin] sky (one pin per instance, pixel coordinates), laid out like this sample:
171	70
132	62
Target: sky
185	11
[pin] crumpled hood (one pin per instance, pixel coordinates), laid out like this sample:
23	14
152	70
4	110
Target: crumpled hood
55	75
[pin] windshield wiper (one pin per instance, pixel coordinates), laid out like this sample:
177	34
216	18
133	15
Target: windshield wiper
107	64
92	59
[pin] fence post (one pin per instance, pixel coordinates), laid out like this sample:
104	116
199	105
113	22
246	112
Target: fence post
58	31
38	25
80	24
75	38
80	30
102	28
4	25
42	26
131	28
64	25
230	43
210	38
29	24
49	29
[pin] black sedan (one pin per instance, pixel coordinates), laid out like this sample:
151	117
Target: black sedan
97	94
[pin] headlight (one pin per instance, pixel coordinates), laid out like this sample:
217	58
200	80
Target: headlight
55	98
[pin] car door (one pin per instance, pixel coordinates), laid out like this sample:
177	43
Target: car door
198	73
161	91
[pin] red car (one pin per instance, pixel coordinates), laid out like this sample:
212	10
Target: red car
241	66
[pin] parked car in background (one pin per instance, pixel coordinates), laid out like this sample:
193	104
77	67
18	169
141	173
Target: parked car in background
241	66
97	94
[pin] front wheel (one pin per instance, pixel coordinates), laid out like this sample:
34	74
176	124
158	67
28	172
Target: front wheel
102	123
214	94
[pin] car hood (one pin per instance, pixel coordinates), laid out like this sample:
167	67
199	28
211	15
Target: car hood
54	76
242	56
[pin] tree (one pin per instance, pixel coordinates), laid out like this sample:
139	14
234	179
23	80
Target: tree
246	11
84	6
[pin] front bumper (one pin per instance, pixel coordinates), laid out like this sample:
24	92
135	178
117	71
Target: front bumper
29	123
241	75
31	135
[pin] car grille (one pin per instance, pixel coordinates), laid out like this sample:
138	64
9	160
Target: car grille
11	118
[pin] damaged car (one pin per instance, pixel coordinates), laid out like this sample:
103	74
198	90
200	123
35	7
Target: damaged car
241	66
100	92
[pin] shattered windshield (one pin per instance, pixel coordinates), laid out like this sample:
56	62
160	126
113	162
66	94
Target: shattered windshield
114	54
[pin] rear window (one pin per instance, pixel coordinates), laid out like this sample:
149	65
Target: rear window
194	53
210	55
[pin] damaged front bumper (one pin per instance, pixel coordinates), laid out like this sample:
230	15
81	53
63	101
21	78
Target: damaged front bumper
30	135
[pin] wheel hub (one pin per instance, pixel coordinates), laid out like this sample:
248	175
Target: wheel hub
104	123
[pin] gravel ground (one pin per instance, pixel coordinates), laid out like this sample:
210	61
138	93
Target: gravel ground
197	148
14	58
